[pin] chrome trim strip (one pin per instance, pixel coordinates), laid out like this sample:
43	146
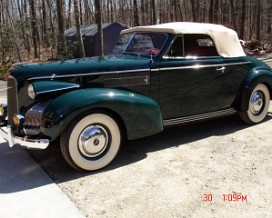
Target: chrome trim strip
155	70
12	98
53	76
57	90
127	81
199	117
203	66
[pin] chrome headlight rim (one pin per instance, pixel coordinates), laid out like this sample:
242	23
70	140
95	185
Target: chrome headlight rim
18	119
3	110
31	92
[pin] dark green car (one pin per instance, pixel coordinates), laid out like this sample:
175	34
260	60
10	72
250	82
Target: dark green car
157	76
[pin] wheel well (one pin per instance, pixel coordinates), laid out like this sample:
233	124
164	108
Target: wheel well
245	94
110	113
269	89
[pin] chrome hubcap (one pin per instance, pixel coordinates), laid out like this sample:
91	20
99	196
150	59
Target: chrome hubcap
93	141
256	102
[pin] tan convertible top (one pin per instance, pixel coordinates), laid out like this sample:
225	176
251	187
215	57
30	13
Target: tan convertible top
225	39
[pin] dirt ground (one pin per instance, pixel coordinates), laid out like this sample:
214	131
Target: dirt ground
218	168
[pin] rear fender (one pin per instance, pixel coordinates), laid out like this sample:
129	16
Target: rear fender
254	78
140	114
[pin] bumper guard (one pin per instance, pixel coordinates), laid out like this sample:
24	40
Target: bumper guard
7	134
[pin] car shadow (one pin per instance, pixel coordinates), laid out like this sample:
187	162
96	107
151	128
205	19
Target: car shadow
18	171
54	165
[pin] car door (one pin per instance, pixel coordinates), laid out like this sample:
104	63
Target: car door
191	78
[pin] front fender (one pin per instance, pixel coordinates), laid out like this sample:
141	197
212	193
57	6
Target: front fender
141	115
256	76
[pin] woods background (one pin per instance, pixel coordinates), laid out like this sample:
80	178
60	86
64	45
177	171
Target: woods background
34	29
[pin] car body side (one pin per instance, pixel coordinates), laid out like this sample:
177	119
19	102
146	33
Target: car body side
159	96
144	91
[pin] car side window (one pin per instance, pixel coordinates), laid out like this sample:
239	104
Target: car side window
193	45
176	48
140	42
199	45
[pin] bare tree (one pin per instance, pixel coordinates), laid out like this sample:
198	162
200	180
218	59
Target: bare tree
211	11
41	23
269	20
233	14
135	14
154	12
44	24
243	20
98	18
258	24
35	32
61	39
69	13
79	35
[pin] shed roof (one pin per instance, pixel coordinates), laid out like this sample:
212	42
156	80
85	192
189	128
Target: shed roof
91	30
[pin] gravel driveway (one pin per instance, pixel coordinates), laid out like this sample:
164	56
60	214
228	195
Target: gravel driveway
170	174
219	168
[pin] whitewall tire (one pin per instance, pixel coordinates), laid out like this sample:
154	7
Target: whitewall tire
92	142
258	105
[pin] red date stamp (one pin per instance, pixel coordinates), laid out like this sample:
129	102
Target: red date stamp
235	197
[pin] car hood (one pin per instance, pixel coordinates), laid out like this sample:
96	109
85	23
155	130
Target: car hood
81	66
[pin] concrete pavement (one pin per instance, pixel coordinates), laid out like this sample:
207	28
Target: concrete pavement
26	191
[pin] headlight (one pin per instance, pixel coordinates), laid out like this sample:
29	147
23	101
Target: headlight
3	110
31	92
18	119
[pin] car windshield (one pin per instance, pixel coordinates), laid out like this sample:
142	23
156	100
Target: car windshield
140	44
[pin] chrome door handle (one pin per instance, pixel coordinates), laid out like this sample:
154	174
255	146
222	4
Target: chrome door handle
220	68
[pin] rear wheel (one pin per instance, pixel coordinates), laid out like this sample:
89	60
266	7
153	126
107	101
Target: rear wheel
258	105
92	142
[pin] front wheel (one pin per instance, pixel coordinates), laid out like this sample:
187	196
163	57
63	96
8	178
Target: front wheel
92	142
258	105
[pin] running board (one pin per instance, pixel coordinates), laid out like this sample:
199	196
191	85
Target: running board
199	117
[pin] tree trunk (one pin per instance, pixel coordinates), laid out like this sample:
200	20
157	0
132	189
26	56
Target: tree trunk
80	13
135	14
35	33
194	12
52	33
98	18
216	10
143	21
15	36
211	11
79	35
61	39
111	7
243	20
154	12
269	20
44	17
69	12
179	8
258	24
233	15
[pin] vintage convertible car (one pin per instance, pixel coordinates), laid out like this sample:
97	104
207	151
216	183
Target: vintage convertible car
157	76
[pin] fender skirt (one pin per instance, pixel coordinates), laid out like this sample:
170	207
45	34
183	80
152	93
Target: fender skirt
141	115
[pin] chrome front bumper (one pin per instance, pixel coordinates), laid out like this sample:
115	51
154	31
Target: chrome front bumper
6	133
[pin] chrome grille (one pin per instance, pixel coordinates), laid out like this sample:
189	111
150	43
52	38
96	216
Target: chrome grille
12	98
33	119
